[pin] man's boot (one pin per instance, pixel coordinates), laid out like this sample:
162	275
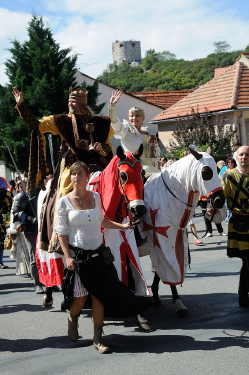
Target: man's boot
97	340
73	333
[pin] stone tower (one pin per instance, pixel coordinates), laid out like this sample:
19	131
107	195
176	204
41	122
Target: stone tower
126	51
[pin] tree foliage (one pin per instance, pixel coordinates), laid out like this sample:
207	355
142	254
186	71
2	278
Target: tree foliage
198	130
152	57
169	74
221	47
43	72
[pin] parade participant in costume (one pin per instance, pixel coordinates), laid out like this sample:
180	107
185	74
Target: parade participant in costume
132	134
77	130
78	225
25	211
236	190
17	242
5	207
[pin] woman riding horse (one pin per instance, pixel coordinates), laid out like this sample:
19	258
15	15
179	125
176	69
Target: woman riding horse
132	134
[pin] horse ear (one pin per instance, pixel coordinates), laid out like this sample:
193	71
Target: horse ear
120	153
139	151
209	150
195	153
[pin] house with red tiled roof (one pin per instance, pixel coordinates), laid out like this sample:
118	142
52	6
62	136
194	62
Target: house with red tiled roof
227	94
164	99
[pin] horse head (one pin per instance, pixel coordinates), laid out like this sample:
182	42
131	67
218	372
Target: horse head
209	184
131	176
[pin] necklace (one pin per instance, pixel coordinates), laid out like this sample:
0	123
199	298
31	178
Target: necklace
78	198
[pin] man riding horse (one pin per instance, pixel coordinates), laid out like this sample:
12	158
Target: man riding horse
77	131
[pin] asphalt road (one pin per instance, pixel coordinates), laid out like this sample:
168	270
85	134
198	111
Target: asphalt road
214	339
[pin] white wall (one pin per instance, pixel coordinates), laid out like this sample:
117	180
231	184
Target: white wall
5	173
125	103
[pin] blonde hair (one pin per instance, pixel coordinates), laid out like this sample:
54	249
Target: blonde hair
78	164
138	111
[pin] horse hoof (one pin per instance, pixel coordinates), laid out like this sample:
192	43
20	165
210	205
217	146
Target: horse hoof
158	303
47	304
182	313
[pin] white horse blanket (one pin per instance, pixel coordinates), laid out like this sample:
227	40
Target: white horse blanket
166	218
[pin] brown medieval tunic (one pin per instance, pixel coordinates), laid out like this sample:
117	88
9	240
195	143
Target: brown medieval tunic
62	125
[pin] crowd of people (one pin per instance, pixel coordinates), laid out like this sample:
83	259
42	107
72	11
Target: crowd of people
74	225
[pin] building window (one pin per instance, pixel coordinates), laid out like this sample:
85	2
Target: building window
121	45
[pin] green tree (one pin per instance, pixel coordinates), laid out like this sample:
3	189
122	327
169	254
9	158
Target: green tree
168	73
92	97
221	47
247	48
197	130
166	55
43	72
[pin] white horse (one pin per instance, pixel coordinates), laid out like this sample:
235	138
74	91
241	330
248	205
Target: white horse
170	198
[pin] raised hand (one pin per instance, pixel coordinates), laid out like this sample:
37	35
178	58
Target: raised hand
18	95
115	97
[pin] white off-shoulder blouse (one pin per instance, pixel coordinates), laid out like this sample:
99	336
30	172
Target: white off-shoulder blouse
83	227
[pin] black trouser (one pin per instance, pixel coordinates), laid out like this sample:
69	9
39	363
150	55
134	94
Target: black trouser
244	277
209	224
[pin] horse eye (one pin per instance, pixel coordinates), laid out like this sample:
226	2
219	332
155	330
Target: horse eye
123	177
206	173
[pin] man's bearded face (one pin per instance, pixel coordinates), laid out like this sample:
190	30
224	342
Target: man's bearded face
73	106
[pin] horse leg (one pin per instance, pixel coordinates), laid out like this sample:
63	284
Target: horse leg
181	310
155	288
48	298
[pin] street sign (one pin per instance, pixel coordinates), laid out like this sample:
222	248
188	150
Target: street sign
3	183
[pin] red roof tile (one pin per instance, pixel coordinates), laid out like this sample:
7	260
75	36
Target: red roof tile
227	91
219	71
164	99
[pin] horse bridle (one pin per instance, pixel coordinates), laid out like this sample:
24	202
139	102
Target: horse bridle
127	201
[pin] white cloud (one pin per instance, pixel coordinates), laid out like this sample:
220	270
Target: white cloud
13	25
187	28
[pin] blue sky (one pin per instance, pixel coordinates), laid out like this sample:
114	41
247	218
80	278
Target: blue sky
187	28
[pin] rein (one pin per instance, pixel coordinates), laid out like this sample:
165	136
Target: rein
188	205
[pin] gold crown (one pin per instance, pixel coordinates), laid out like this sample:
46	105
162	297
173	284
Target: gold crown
78	94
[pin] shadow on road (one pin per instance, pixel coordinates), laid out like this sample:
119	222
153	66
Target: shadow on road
158	344
7	309
25	345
